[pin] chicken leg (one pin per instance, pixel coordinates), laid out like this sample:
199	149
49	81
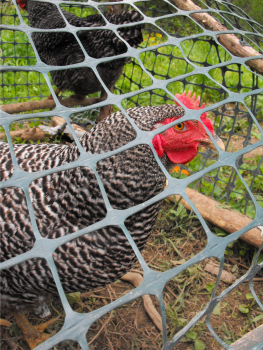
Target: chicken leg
105	110
50	97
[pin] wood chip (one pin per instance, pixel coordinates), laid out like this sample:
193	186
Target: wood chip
227	277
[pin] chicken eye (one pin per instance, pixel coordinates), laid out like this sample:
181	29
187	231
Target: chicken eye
180	126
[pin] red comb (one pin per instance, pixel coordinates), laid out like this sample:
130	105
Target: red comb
192	103
22	4
188	101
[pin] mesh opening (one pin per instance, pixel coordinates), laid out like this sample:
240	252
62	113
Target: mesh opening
176	54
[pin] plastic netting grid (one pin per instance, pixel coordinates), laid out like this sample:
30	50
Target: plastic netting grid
167	26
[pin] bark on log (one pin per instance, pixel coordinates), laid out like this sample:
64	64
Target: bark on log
15	108
227	219
229	41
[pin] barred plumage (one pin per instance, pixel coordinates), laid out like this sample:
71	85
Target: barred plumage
67	201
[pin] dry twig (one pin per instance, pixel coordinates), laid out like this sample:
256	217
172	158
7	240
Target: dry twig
5	323
136	279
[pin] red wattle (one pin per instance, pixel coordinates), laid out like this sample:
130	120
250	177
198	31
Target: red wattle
182	156
157	144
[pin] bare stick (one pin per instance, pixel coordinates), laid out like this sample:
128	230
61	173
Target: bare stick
229	41
136	279
49	103
5	323
227	219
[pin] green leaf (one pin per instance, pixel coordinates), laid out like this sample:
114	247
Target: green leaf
257	318
220	233
217	310
181	322
73	297
260	258
235	268
242	252
191	335
210	287
256	134
199	345
243	309
249	296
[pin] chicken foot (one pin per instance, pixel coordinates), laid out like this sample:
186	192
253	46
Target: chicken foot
33	334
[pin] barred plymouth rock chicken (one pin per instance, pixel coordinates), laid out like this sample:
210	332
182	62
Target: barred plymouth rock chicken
62	48
70	200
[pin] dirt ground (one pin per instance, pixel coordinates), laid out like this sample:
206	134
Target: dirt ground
129	327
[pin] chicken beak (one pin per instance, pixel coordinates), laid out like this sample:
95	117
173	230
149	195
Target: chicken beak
209	143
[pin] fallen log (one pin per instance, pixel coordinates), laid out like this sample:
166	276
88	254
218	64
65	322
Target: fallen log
227	219
230	41
15	108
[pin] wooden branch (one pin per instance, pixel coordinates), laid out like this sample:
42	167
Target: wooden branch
227	219
136	279
229	41
249	340
14	108
33	134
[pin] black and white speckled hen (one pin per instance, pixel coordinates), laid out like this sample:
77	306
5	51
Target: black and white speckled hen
62	48
67	201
